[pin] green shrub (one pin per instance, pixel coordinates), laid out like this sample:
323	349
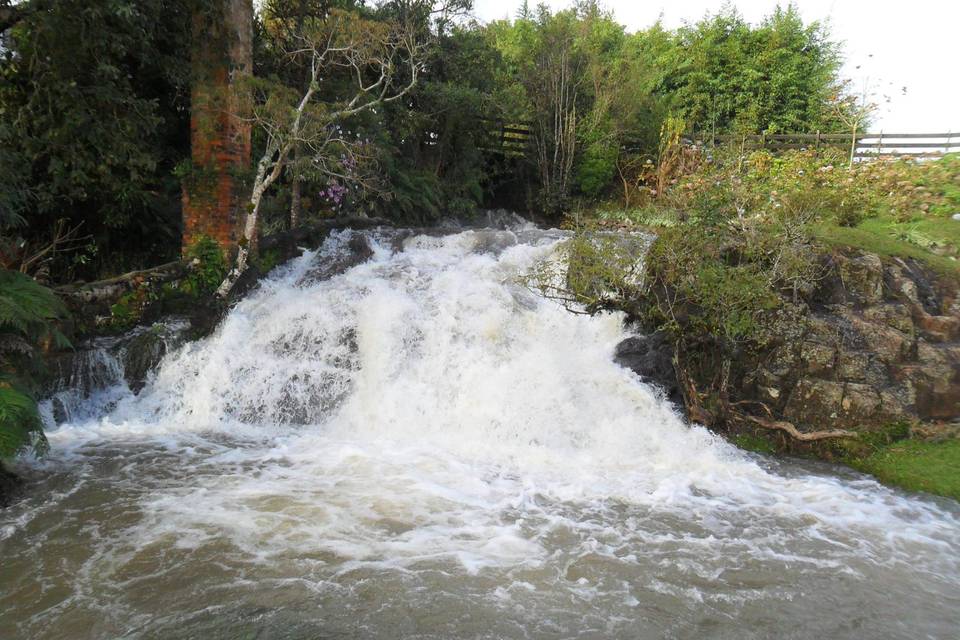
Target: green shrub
210	267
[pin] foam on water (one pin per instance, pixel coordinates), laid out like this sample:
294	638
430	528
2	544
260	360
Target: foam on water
422	434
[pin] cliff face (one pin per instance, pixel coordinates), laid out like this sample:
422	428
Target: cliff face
881	344
877	343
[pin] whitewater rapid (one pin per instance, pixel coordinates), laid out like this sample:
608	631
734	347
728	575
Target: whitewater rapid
422	447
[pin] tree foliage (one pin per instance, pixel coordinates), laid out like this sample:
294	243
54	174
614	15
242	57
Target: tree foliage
93	117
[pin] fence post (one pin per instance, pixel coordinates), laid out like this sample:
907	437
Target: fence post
818	142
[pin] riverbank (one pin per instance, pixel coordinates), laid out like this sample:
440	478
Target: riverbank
821	321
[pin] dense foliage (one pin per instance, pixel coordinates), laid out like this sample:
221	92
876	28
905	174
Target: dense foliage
94	113
93	118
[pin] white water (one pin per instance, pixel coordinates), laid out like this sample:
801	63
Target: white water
420	447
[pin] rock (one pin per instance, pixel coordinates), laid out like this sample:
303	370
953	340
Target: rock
862	278
651	358
939	328
894	315
817	358
877	342
140	356
936	379
356	250
814	403
955	216
9	485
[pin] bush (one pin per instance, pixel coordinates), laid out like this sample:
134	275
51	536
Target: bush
210	267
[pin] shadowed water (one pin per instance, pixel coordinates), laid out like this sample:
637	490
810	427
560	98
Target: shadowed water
420	447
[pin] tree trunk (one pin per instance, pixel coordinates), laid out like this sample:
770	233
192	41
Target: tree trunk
215	192
295	190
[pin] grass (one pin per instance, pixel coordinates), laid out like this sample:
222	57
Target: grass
914	465
886	237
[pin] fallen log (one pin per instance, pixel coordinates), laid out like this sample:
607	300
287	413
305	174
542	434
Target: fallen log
113	288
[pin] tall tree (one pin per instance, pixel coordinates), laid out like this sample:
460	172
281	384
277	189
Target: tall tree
92	123
216	189
373	53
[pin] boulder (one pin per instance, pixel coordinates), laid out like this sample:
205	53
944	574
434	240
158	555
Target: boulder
651	358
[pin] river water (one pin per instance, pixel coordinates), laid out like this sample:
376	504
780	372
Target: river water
420	447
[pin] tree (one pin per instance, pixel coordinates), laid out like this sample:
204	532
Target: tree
553	83
92	122
854	111
214	188
373	53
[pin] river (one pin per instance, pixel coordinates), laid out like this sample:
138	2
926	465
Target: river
420	447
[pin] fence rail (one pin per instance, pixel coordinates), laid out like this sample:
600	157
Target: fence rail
514	139
867	145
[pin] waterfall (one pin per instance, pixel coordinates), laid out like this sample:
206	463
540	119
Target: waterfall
419	445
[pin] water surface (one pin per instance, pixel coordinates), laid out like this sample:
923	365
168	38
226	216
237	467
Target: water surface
422	448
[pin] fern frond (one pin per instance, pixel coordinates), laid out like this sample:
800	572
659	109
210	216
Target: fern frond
20	424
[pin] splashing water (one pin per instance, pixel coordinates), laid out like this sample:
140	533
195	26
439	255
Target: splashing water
420	447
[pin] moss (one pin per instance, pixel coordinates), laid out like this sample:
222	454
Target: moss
127	311
933	467
754	443
210	267
267	260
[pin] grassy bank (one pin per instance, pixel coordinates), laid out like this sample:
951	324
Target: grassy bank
933	467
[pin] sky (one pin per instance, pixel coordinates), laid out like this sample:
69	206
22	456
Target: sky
888	46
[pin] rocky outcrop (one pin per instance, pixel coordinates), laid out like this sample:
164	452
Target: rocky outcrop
651	358
73	376
881	344
876	343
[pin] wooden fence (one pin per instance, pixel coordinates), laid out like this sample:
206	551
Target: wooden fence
868	145
514	139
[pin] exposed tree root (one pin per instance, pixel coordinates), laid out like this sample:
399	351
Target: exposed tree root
788	428
697	413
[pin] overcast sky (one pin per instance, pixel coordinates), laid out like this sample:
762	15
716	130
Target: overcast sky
896	44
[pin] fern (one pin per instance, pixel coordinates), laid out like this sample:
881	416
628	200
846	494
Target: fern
27	314
20	425
26	307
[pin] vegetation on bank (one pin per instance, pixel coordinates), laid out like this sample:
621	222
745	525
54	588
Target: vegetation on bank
27	316
744	244
95	128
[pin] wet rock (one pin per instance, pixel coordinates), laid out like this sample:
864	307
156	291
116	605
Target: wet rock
356	250
9	485
651	358
141	356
